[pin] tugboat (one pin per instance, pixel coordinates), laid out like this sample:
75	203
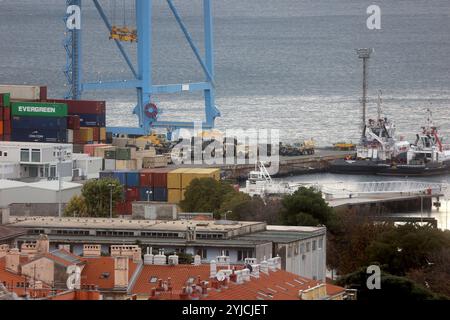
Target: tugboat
377	150
388	157
427	156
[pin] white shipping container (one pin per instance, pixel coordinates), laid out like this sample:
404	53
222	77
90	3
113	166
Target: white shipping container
22	92
110	164
70	136
89	165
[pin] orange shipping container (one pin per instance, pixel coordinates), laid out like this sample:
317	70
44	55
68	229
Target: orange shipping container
86	134
90	148
1	128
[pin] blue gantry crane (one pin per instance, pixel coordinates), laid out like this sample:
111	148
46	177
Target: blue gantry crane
146	111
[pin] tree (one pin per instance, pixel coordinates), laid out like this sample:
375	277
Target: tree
393	288
205	195
95	199
76	207
407	247
306	207
347	244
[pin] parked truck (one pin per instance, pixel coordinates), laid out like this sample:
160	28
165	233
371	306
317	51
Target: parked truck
298	149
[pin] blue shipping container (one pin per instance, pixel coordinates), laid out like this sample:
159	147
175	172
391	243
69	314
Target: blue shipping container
160	194
143	196
41	135
93	120
37	123
121	176
133	179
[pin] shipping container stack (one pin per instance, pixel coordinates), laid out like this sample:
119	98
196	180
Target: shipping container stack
86	122
178	180
159	185
5	117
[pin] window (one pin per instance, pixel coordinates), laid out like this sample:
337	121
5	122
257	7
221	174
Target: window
296	250
314	245
203	253
5	154
320	243
308	246
35	155
25	155
243	254
153	279
302	248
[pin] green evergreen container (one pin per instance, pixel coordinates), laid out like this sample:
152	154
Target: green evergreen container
39	109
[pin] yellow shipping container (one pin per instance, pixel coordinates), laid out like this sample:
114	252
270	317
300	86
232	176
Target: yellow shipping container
174	178
174	196
102	134
126	165
199	173
87	134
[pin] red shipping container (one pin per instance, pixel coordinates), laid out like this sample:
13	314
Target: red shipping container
6	137
73	122
43	93
96	134
159	177
6	113
83	106
1	113
77	137
146	178
132	194
7	127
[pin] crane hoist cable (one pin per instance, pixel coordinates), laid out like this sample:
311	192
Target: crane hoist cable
123	33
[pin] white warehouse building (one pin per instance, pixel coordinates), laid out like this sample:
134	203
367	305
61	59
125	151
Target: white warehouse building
28	198
27	161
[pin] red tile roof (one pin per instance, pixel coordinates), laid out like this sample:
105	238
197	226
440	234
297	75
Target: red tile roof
11	281
279	285
94	269
179	275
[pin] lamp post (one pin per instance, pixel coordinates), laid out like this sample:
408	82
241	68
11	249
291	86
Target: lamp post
59	150
111	200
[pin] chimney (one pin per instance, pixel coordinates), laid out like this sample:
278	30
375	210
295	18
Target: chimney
92	250
278	262
160	259
42	244
197	260
245	274
173	260
213	269
184	295
148	257
239	277
264	267
12	260
272	264
121	265
137	255
3	250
